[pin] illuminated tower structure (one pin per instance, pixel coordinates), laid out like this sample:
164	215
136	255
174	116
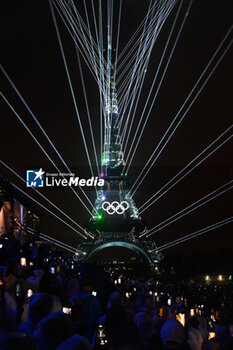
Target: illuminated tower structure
115	219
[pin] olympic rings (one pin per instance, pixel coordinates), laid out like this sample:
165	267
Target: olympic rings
115	207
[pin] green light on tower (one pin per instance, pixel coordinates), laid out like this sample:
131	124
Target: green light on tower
104	160
99	217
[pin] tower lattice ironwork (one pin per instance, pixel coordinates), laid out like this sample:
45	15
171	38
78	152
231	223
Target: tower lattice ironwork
115	218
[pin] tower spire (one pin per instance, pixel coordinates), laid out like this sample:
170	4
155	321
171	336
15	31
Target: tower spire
112	158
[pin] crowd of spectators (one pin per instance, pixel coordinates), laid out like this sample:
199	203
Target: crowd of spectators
49	302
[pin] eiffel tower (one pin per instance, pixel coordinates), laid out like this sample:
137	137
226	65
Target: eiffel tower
115	220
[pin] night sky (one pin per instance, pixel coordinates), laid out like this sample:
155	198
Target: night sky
30	55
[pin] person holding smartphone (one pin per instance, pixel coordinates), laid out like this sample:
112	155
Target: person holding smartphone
92	306
10	312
